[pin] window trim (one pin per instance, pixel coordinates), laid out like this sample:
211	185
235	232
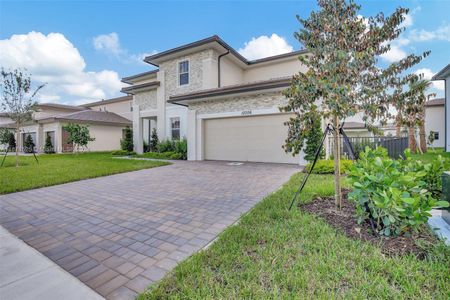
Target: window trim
172	129
188	72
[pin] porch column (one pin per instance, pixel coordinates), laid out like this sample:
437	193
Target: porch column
58	139
191	134
137	130
161	106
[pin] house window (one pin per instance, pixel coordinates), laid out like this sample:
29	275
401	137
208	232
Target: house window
436	136
175	128
183	72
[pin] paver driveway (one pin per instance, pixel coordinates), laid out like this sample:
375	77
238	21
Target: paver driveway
120	233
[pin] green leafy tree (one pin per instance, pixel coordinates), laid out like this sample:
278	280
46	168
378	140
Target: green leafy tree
154	141
5	136
343	76
28	144
79	136
127	142
18	98
313	138
48	147
12	142
431	138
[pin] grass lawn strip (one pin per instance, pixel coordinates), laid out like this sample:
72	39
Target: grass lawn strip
62	168
274	253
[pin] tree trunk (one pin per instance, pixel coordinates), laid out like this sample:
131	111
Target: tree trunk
337	164
17	144
398	125
422	138
412	139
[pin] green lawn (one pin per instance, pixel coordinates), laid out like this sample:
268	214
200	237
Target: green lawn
273	253
431	154
60	168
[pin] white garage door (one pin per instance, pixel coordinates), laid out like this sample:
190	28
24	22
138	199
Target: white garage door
251	138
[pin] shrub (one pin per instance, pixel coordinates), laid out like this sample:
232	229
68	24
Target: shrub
48	147
28	144
393	193
313	139
162	155
326	166
127	142
181	148
166	146
122	153
154	141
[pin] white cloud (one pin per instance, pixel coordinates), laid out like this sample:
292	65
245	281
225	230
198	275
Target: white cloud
442	33
110	44
396	53
265	46
428	74
55	60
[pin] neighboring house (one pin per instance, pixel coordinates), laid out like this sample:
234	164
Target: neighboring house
49	120
225	105
435	121
444	74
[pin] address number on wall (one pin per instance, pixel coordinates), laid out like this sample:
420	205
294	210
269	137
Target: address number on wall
246	112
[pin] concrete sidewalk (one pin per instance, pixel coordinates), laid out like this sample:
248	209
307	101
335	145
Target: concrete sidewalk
27	274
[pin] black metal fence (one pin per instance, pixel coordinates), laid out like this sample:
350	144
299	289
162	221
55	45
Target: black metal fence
394	145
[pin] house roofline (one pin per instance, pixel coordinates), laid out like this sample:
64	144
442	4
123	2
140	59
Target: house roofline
442	74
128	78
133	88
107	101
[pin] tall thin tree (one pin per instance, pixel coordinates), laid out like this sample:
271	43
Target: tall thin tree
343	76
18	98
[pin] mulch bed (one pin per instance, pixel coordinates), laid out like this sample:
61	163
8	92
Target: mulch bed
346	221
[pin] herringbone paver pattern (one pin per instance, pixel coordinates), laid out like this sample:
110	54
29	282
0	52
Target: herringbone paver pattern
120	233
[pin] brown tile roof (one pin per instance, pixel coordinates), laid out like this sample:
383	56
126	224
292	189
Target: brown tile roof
60	106
107	101
435	102
354	125
233	89
94	116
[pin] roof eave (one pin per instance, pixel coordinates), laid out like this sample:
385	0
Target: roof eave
442	74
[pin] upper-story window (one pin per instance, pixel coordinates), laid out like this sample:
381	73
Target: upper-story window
183	72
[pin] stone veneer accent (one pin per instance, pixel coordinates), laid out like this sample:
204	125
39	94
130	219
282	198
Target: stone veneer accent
195	72
239	103
146	100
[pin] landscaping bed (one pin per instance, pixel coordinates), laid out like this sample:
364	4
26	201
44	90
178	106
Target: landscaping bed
345	220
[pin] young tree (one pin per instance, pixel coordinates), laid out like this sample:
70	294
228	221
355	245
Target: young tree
18	98
79	136
127	142
28	144
48	147
154	141
343	77
12	142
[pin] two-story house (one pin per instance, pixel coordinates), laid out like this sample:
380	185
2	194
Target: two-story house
444	74
225	105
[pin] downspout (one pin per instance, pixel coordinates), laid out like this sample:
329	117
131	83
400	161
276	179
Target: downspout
218	66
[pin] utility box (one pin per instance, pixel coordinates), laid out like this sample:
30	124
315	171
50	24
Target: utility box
446	195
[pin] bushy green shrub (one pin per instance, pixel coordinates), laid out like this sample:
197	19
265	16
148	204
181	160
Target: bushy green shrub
166	146
175	146
127	142
326	166
28	144
393	193
122	153
162	155
48	147
154	141
181	148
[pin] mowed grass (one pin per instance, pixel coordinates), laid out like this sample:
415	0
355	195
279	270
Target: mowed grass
274	253
431	154
61	168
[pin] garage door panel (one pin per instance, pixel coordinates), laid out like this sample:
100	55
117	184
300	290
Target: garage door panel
251	138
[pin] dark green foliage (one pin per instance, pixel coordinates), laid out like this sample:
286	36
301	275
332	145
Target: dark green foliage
28	144
181	148
395	191
326	166
122	153
7	138
12	141
166	146
313	139
162	155
48	147
154	141
127	142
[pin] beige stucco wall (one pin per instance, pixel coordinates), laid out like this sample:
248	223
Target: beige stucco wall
435	121
107	138
274	69
239	103
122	108
230	72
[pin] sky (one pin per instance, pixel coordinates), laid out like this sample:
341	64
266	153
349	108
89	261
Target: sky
82	49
